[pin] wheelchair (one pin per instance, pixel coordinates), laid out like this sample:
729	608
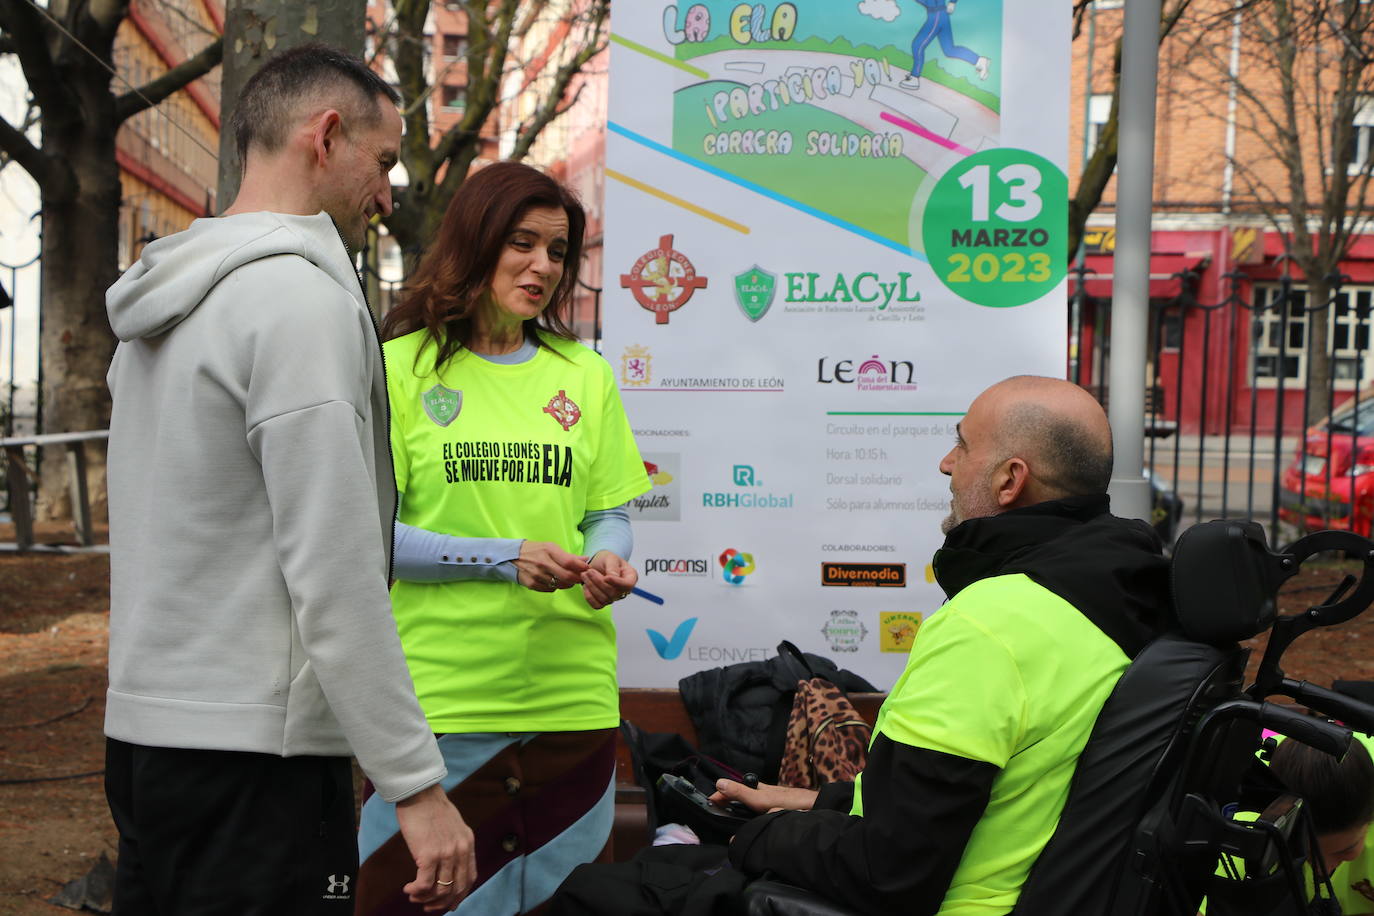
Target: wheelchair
1173	752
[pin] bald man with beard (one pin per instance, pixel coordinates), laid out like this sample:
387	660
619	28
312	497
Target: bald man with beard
1049	598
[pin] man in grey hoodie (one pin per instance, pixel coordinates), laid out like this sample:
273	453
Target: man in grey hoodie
252	647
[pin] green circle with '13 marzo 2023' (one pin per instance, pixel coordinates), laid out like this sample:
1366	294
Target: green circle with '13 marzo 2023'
996	227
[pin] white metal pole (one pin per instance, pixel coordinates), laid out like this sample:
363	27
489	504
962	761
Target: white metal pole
1131	287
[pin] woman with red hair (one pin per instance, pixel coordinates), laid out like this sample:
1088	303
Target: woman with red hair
514	460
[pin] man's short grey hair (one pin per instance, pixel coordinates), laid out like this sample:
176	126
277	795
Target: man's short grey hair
1065	455
265	113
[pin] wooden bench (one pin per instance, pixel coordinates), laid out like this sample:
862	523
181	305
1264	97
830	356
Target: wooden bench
660	710
17	476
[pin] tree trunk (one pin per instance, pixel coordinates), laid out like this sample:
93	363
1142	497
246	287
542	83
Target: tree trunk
80	259
256	29
1318	380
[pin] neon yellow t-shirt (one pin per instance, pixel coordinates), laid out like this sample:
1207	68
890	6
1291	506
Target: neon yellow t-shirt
1043	671
508	451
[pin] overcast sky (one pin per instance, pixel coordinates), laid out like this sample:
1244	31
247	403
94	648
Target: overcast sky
18	244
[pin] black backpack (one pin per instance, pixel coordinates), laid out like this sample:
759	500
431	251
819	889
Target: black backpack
740	711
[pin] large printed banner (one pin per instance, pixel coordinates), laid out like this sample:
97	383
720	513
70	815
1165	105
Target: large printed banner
830	224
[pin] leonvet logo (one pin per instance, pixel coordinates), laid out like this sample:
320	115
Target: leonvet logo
442	404
873	374
844	631
662	280
636	365
754	289
563	409
890	575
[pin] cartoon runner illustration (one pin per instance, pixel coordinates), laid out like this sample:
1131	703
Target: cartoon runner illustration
937	26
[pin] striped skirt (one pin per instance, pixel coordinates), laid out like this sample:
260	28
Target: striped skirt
539	805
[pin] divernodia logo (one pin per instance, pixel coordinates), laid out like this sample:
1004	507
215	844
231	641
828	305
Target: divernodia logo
891	575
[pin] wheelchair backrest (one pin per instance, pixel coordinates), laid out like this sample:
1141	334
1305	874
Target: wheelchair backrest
1222	576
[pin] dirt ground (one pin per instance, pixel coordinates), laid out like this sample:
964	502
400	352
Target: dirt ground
54	615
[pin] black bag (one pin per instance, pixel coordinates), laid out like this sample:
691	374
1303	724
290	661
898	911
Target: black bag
655	753
741	711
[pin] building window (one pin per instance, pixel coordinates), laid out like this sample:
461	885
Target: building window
1348	319
453	98
1357	160
455	46
1108	4
1099	110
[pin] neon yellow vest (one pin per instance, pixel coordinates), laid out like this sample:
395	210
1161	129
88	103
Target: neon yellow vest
1009	673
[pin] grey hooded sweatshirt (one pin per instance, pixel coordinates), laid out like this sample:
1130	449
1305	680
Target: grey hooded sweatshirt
251	505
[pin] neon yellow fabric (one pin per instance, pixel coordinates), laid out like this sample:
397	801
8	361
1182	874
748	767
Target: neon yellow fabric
531	449
1044	671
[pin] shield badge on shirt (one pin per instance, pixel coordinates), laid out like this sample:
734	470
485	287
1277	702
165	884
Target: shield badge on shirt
754	289
442	404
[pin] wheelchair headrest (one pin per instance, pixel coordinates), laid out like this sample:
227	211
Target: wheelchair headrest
1225	580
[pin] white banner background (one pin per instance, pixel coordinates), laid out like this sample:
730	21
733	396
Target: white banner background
775	449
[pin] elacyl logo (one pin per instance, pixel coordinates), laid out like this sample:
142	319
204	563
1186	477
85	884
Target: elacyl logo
754	291
662	280
441	404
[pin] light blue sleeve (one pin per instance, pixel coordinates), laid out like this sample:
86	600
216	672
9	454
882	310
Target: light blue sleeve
608	529
428	556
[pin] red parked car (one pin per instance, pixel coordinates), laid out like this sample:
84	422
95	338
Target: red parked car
1335	462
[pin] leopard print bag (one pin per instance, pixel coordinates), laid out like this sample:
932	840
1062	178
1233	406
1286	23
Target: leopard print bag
827	739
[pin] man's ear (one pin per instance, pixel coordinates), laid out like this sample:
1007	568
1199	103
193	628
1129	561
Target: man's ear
1011	482
325	135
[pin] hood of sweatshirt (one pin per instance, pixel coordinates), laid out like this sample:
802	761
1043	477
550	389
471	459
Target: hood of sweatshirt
1111	569
175	273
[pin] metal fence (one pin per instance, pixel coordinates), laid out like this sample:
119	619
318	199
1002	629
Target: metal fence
1232	386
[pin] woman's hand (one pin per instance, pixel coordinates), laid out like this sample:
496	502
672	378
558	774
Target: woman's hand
607	579
765	798
543	566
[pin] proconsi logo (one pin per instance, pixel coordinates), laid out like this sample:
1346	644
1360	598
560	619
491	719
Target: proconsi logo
676	566
892	575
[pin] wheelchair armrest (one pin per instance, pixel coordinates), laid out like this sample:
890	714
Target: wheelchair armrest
773	898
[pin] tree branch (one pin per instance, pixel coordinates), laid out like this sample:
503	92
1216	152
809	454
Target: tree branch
28	32
29	157
552	105
175	79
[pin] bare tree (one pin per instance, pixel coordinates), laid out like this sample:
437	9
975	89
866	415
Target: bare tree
1306	69
437	166
65	50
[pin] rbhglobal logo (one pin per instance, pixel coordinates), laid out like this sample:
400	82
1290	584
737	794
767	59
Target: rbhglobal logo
749	493
873	374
